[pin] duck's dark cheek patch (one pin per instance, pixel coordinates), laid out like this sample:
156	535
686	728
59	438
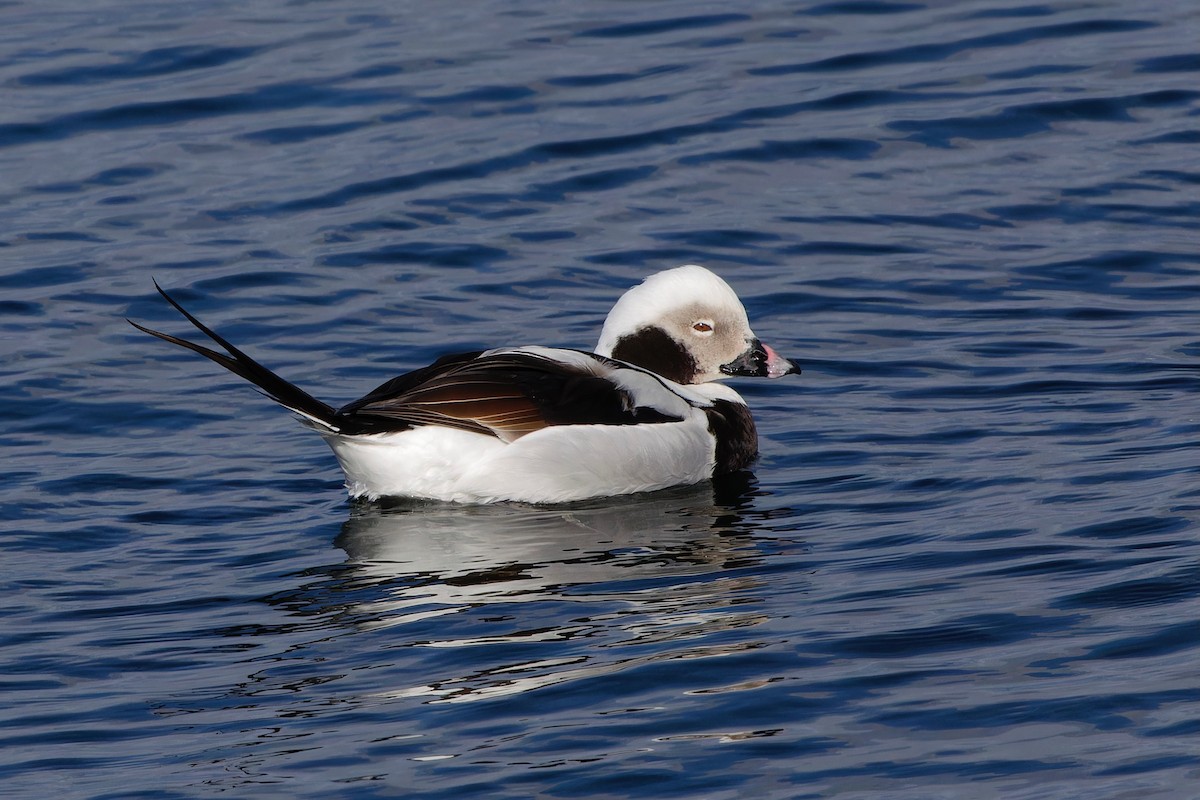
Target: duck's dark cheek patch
653	349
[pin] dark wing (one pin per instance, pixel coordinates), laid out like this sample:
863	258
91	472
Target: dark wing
506	394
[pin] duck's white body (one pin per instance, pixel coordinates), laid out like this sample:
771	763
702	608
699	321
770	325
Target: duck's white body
555	464
552	425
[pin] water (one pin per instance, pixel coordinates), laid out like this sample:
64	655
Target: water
967	563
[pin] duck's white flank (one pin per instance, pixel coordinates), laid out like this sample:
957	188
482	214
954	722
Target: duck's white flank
554	465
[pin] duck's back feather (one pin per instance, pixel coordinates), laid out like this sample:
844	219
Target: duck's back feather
513	392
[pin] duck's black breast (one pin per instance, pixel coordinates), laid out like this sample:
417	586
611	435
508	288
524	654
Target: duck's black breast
737	439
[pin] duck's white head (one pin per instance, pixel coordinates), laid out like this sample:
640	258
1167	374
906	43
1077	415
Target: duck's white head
688	326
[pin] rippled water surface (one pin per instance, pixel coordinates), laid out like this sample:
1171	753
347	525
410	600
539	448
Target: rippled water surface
967	565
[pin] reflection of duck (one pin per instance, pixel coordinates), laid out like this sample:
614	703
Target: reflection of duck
449	603
622	585
471	548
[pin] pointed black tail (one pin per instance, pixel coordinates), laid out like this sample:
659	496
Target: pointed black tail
286	394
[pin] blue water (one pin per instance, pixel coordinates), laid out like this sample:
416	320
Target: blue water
967	565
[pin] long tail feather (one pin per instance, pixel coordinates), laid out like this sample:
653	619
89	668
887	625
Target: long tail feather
281	391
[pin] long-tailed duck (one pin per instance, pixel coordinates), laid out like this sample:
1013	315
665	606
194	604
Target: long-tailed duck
545	424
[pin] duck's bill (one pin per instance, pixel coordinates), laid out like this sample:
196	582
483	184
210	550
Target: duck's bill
760	361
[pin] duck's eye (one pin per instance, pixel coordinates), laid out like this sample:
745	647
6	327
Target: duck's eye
702	327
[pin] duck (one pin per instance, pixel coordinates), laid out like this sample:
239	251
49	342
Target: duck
646	410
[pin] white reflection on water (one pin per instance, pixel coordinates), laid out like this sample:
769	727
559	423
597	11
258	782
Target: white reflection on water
627	583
